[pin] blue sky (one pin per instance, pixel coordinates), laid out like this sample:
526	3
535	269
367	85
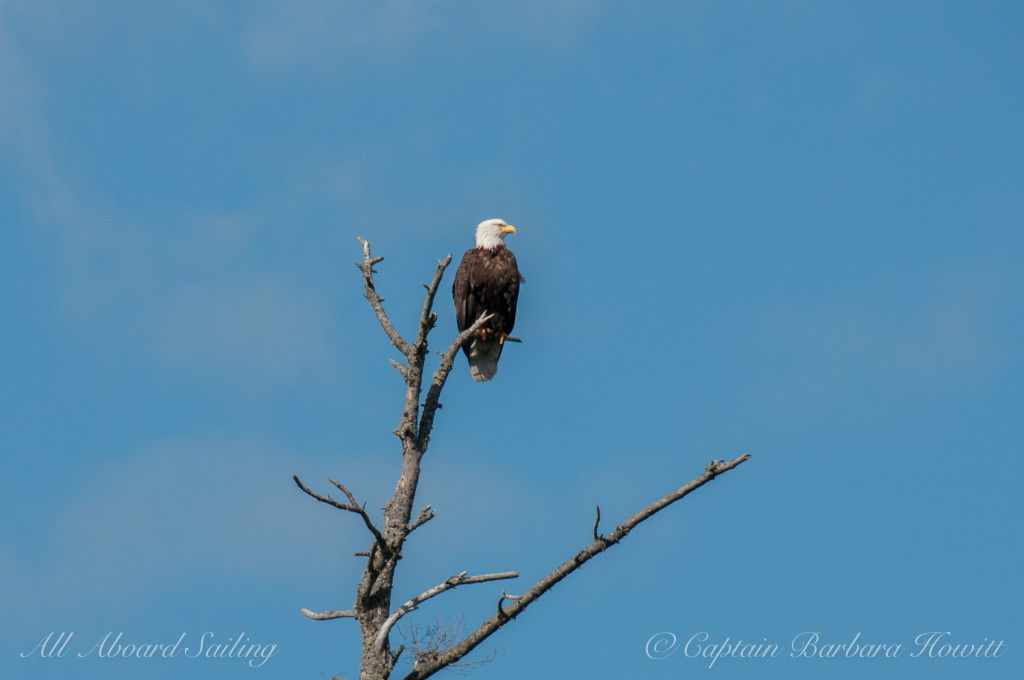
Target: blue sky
791	229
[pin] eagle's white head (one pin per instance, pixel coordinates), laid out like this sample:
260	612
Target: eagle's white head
491	233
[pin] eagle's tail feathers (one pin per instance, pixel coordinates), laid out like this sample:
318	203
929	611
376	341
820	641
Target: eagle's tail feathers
483	358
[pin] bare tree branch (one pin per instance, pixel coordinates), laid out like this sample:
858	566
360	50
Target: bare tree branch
351	506
504	615
426	514
358	509
501	600
437	638
427	317
332	614
348	494
375	300
372	606
432	403
449	583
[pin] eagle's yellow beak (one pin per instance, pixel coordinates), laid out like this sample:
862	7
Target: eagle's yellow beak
508	229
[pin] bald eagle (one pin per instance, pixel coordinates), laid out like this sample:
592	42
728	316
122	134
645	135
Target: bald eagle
487	282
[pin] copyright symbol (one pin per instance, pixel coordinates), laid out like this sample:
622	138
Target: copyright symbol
661	646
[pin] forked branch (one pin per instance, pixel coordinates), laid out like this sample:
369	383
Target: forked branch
351	506
372	607
427	317
432	402
426	514
449	583
376	300
599	545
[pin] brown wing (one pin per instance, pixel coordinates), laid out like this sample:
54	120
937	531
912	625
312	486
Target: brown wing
487	281
462	292
507	289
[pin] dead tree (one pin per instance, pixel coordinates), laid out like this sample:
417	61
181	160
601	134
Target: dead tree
372	608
